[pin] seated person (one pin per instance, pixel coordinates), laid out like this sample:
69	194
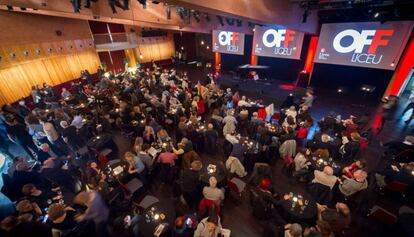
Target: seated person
61	218
287	230
213	193
325	177
27	207
301	162
322	228
162	136
42	197
135	166
184	226
339	218
357	183
93	175
350	169
209	226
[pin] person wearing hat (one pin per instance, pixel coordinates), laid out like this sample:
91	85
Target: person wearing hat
190	184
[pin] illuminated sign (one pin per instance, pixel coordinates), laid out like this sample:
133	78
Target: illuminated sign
367	44
277	42
228	42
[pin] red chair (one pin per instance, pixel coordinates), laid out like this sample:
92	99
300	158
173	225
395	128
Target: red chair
380	214
397	187
205	205
236	185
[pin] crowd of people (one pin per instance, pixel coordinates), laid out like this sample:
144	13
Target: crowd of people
198	138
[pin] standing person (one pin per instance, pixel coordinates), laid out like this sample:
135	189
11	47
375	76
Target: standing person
53	136
189	183
308	99
17	133
70	136
96	210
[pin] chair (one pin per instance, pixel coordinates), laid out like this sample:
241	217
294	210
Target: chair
134	185
380	214
236	185
148	201
397	187
260	171
106	152
258	205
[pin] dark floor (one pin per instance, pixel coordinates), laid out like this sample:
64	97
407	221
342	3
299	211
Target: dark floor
237	214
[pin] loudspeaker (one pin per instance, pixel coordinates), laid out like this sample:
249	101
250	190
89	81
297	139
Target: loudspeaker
59	33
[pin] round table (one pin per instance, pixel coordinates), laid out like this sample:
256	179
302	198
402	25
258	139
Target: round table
320	164
101	142
295	213
220	172
158	213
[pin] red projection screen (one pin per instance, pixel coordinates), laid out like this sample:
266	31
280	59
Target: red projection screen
228	42
277	42
363	44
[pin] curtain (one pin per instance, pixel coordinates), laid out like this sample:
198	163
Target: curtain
17	80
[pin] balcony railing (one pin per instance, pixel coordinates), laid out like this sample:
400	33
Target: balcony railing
110	38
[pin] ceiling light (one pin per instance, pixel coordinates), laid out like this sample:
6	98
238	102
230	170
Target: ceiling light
376	15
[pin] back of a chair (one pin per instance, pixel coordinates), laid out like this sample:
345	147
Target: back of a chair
236	185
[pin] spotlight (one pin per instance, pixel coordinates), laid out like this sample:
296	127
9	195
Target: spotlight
143	3
254	29
208	47
220	19
376	15
207	16
392	64
239	23
202	42
182	47
196	15
230	21
340	90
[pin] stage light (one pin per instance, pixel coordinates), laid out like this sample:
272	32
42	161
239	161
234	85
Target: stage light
207	16
196	15
339	90
392	64
239	23
254	29
202	42
220	19
143	3
376	15
208	47
182	47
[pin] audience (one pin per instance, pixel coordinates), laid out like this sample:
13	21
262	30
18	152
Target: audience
175	129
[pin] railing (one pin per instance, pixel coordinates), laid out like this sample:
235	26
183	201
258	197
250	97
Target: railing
110	38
